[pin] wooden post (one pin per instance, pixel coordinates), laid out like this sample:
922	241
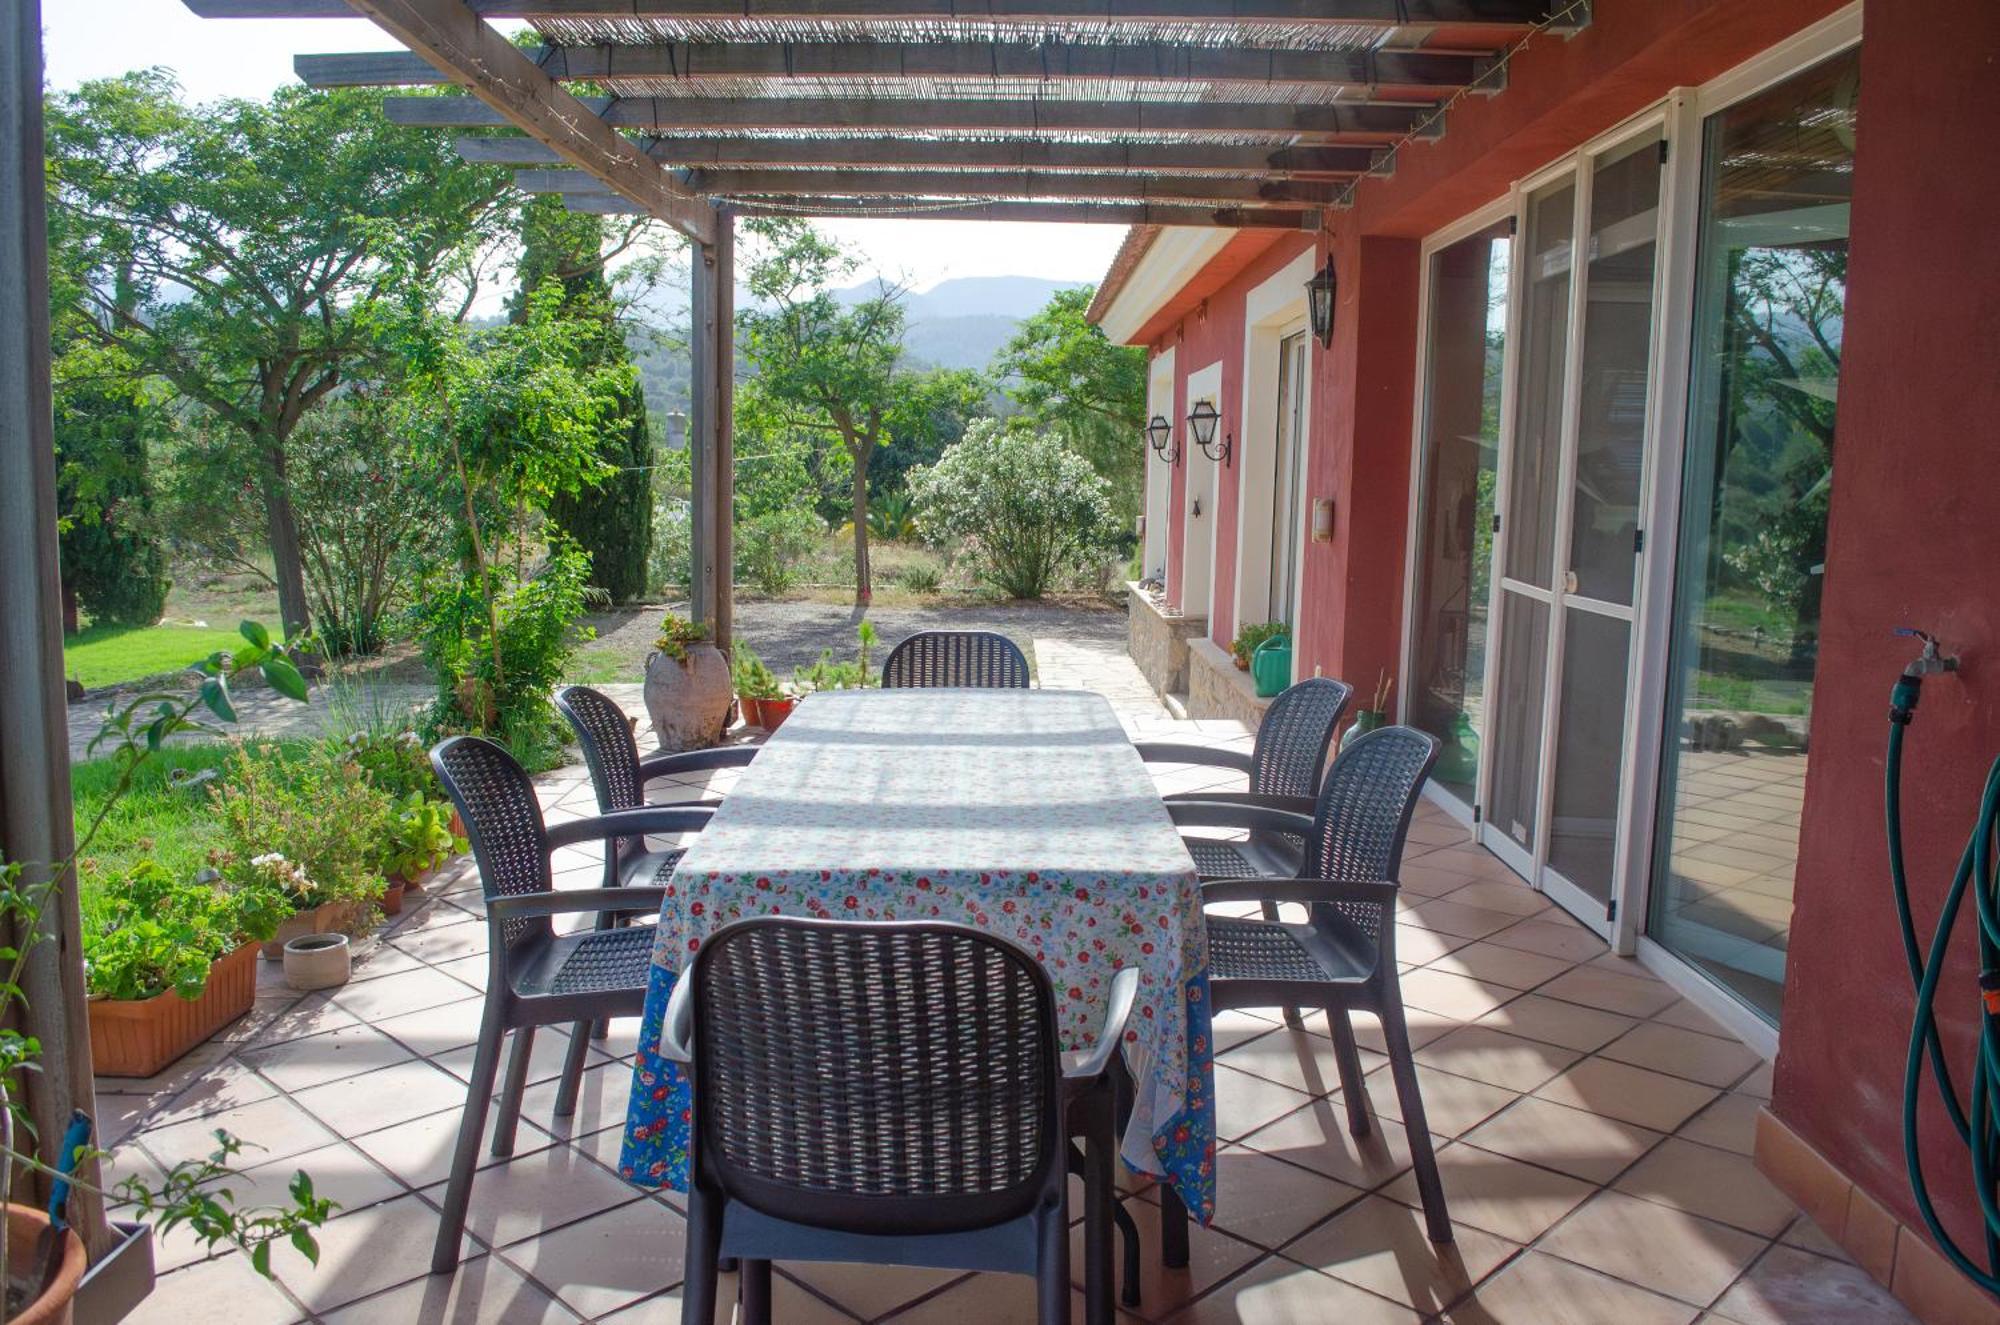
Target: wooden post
701	434
722	384
36	829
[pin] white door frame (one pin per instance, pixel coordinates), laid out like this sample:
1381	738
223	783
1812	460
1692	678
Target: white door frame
1202	489
1159	474
1272	312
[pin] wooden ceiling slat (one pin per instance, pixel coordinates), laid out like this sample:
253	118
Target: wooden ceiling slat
1079	212
1009	154
1386	13
734	182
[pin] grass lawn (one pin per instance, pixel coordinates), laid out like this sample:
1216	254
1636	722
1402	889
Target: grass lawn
112	655
163	817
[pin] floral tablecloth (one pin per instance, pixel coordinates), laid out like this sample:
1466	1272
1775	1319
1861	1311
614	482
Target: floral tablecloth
1023	812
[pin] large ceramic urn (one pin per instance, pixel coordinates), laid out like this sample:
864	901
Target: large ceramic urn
688	698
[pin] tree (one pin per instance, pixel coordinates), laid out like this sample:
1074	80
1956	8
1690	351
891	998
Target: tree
830	368
1068	378
613	521
113	566
235	251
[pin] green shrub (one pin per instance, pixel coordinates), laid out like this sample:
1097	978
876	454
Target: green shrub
920	578
158	931
313	827
1021	505
770	547
418	837
1250	637
751	677
398	766
892	517
670	565
676	633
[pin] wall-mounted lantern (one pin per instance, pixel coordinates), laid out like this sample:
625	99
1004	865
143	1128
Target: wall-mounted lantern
1320	293
1322	521
1201	426
1160	435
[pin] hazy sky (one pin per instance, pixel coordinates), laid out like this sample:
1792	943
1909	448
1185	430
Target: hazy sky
249	57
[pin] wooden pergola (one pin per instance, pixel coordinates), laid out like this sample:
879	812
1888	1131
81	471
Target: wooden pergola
1237	113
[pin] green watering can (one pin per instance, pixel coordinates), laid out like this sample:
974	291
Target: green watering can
1271	665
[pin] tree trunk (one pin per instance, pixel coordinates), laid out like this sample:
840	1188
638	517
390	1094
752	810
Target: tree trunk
864	581
282	530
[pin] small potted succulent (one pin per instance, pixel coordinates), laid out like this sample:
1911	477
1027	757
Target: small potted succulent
688	689
756	688
1250	637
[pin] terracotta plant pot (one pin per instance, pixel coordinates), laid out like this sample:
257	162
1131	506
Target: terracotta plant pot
775	712
689	700
318	961
753	715
1242	663
392	896
24	1231
138	1037
320	920
457	823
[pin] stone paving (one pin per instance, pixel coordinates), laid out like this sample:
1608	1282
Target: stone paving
1592	1129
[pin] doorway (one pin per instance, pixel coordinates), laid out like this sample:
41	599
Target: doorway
1288	479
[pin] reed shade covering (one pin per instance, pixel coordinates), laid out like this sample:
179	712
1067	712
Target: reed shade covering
1024	813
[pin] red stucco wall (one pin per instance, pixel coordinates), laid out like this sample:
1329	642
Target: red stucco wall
1914	540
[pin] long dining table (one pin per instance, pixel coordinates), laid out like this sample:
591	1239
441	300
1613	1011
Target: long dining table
1026	813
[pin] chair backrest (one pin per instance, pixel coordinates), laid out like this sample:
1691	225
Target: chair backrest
875	1078
1365	805
1290	752
609	750
957	658
503	820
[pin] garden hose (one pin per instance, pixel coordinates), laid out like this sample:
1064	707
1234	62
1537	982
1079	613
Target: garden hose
1977	1124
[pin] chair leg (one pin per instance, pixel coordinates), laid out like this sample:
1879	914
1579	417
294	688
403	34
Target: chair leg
465	1155
1173	1229
1292	1018
600	1029
704	1239
754	1292
1353	1090
572	1072
1128	1234
1396	1038
1098	1199
1052	1269
510	1095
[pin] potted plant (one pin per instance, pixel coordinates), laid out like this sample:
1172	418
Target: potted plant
756	686
420	838
826	674
1377	712
688	690
318	961
1249	637
169	962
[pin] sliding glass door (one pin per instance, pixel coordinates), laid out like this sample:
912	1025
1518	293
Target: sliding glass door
1769	312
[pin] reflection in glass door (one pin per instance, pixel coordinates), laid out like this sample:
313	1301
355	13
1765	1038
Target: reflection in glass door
1465	350
1572	535
1770	307
1288	478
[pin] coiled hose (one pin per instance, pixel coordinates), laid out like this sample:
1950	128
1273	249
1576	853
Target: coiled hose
1978	1125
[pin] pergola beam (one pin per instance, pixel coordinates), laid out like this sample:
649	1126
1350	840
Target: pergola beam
1377	123
1364	72
1083	213
761	180
456	41
1385	13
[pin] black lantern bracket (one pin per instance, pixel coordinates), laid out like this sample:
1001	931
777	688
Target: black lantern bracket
1201	426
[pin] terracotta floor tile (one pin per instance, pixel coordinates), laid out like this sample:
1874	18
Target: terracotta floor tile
1298	1059
192	1296
1455	918
1684	1053
600	1101
1423	946
1003	1299
1277	1291
364	1253
1551	937
1268	1201
1629	1094
790	1303
1498	1195
1730	1123
1582	1145
1423	1027
869	1291
383	1098
1213	1256
1609	991
608	1261
1510	895
419	1151
486	1291
316	1059
274	1129
1381	1246
1667	1251
410	991
443	942
1452	1104
1557	1022
1316	1136
1512	967
545	1062
1792	1287
340	1173
227	1085
1542	1290
1450	995
537	1192
435	1030
1808	1236
1718	1184
1496	1058
1244	1103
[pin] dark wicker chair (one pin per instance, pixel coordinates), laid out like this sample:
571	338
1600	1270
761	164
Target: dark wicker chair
889	1094
1342	956
535	976
956	658
1286	761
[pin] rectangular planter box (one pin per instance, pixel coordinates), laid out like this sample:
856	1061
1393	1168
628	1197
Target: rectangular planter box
113	1288
137	1038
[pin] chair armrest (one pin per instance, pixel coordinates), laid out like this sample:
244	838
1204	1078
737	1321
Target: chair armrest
1303	892
1238	814
1089	1064
677	1027
1302	805
629	823
1174	752
572	900
696	761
